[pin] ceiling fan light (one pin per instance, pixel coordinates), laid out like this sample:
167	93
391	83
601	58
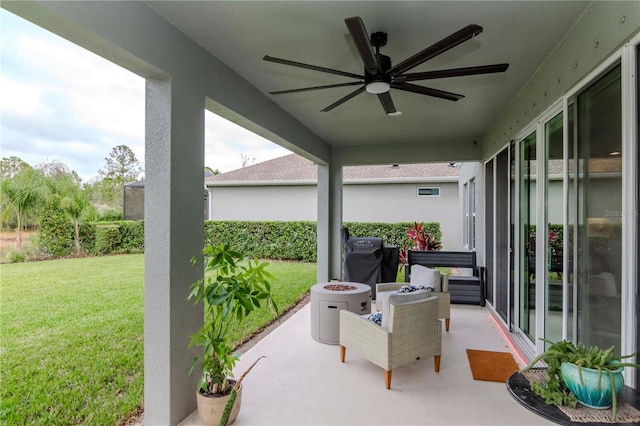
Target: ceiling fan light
377	87
394	114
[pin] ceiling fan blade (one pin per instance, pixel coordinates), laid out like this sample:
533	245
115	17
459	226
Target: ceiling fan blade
387	102
436	49
306	89
311	67
361	38
345	99
427	91
454	72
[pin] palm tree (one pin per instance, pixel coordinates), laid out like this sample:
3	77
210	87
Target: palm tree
23	193
74	200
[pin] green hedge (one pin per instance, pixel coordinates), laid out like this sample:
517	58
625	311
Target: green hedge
126	236
267	240
297	240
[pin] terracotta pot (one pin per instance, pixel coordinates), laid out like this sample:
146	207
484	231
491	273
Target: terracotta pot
210	408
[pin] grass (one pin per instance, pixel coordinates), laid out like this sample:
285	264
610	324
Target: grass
72	337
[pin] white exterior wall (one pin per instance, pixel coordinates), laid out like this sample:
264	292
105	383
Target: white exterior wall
290	202
361	203
400	203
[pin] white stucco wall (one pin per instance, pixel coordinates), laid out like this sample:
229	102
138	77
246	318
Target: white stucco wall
390	203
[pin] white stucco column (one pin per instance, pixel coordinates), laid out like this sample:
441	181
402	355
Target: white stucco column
174	233
329	222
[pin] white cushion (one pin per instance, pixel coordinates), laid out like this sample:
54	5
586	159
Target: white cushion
389	297
428	277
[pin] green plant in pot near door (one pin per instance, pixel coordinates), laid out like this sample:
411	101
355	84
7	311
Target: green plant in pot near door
579	373
231	290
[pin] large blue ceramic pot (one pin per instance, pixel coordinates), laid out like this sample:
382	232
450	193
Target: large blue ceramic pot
594	391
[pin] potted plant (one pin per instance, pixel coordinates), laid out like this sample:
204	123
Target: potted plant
231	290
579	373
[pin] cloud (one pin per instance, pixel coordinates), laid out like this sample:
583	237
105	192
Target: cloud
226	143
62	102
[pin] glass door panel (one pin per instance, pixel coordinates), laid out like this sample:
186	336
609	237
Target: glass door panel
599	211
554	178
527	221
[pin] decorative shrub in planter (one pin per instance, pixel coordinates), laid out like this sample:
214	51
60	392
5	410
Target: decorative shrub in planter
591	386
231	290
569	376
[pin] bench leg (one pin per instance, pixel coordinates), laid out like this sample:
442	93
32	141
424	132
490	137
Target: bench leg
343	351
446	323
436	362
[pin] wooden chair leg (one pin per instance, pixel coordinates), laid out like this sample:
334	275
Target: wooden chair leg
387	378
436	362
446	323
343	351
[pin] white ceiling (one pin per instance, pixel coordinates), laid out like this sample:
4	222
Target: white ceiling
240	33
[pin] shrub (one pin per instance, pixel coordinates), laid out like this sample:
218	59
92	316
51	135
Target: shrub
56	229
107	239
88	237
17	257
109	215
131	236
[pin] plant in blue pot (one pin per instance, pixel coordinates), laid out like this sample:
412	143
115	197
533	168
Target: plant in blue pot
579	373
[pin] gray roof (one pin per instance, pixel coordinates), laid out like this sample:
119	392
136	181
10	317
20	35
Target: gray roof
293	167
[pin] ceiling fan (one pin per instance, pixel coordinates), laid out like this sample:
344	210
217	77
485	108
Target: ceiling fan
380	76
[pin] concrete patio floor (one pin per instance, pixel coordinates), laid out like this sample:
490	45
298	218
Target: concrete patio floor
302	382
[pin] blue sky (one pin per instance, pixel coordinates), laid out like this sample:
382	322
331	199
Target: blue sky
61	102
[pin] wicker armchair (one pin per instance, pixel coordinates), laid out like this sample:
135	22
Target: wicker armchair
444	307
414	332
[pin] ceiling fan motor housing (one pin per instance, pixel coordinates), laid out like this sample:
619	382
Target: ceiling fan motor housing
385	64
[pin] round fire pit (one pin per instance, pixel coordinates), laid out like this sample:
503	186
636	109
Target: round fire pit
327	299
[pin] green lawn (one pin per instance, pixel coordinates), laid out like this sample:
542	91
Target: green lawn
72	336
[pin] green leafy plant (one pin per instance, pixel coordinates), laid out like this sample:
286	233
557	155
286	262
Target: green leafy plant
231	290
420	238
554	390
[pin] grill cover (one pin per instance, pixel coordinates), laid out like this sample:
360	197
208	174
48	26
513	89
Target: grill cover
363	260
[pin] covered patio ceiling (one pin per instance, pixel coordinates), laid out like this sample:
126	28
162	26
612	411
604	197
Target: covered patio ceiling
520	33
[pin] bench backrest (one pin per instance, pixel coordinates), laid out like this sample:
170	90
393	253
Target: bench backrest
432	259
457	259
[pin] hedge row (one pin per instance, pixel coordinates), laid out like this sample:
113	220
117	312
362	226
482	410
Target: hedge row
297	240
126	236
267	240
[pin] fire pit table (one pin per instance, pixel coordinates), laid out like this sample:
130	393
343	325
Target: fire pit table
327	299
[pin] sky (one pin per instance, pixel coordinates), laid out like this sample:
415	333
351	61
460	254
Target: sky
61	102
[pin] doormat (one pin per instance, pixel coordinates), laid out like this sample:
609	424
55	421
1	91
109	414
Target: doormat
491	366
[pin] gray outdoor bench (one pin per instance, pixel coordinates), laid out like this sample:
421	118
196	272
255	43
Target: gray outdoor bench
463	289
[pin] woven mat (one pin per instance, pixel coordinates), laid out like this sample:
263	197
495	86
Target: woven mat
581	414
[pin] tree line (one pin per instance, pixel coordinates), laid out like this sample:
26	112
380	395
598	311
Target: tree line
33	196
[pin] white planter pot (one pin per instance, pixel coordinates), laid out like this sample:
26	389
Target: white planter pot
210	408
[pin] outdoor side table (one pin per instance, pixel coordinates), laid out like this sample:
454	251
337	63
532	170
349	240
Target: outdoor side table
327	299
520	389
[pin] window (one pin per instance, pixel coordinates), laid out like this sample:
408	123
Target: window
426	191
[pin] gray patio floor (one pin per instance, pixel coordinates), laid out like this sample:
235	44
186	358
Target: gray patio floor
302	382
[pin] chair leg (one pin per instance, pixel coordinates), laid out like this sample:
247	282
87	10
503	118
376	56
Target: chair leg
387	378
446	323
436	362
343	351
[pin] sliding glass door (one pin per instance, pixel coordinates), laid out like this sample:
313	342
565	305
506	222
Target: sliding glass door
597	199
